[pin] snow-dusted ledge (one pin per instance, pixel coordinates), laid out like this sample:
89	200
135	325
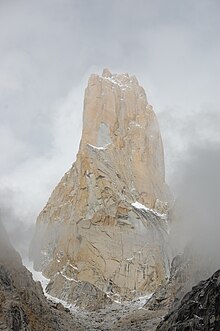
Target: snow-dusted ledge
102	148
139	205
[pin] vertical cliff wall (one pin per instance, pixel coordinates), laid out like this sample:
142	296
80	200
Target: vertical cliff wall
105	223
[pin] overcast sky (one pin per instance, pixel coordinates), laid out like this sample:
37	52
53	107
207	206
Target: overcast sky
48	48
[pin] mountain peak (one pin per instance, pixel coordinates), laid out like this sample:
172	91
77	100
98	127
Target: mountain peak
106	73
117	115
103	222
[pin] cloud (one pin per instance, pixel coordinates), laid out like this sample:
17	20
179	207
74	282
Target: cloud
19	229
183	131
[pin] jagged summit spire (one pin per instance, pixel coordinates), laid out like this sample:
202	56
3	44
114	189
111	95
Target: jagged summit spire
123	79
115	101
118	116
106	73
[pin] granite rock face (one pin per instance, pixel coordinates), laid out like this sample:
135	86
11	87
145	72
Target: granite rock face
169	294
105	223
23	306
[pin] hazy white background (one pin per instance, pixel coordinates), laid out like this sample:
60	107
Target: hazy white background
48	48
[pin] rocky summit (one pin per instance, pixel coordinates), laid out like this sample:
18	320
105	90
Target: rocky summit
103	233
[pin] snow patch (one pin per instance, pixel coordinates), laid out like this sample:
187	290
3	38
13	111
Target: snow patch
129	259
139	205
68	278
143	299
37	275
113	79
56	300
134	123
73	266
99	148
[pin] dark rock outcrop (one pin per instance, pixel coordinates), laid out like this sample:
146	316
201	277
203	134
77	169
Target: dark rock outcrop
198	310
23	306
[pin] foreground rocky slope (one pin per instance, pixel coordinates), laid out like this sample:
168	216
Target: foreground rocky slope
198	310
104	228
23	306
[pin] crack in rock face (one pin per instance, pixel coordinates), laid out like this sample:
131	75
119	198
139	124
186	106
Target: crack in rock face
108	215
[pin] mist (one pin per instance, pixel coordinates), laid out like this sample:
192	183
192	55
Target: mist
195	215
19	228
